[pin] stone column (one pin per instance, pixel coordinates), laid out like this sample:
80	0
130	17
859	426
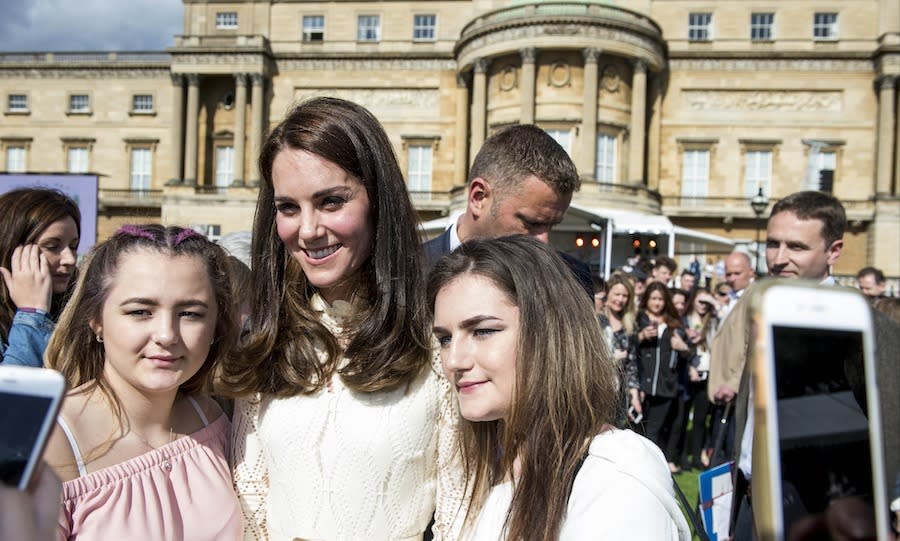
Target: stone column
193	118
462	130
587	159
526	85
655	135
177	128
884	157
638	118
240	126
256	126
897	145
479	107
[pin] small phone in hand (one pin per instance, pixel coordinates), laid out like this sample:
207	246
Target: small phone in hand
29	402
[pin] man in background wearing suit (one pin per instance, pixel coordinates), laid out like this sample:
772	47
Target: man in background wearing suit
521	183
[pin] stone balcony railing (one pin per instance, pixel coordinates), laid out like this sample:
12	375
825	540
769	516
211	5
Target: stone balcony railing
130	198
112	57
251	41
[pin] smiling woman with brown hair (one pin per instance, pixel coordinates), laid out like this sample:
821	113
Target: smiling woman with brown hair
41	230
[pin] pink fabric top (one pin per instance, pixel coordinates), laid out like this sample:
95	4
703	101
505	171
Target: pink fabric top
180	491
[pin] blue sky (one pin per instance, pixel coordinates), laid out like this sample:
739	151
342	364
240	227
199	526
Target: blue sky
89	25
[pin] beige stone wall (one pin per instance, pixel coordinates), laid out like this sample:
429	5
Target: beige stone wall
110	124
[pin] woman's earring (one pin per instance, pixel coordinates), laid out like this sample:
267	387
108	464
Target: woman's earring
99	337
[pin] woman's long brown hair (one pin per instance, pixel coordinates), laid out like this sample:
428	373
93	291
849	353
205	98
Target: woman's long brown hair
565	390
387	340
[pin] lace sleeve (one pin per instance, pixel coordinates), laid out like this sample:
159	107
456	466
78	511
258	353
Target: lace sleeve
251	476
452	494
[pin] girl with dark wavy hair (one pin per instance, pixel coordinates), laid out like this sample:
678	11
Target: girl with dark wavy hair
538	391
344	427
41	229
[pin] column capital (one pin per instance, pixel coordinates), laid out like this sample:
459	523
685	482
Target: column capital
177	79
480	65
257	79
240	79
591	55
528	54
886	81
193	79
640	66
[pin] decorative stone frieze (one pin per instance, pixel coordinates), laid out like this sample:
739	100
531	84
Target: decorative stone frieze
82	73
763	100
363	64
378	98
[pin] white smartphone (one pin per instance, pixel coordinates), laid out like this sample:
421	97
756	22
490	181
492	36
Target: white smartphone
817	426
29	402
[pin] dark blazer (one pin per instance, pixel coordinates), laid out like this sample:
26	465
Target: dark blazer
439	246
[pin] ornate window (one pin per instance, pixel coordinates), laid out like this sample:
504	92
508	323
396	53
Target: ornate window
224	165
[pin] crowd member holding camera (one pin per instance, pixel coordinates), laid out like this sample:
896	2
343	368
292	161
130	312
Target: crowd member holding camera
41	229
537	391
142	453
619	325
804	238
701	323
662	353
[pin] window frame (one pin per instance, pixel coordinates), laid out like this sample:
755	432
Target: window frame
223	177
72	110
760	178
7	151
142	111
360	37
832	28
70	149
762	27
612	168
132	149
698	30
425	27
224	20
698	183
567	130
307	33
10	109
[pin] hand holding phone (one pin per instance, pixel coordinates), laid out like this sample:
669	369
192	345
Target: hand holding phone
29	402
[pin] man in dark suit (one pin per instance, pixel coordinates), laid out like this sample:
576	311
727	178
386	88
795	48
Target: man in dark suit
804	238
521	182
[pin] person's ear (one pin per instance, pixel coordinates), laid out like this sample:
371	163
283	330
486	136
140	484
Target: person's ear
479	198
834	251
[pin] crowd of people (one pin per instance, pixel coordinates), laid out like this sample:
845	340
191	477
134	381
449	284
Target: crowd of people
346	382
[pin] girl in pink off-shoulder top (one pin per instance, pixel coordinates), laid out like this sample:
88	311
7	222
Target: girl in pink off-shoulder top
142	454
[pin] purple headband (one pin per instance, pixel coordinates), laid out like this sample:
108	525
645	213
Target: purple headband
138	231
135	231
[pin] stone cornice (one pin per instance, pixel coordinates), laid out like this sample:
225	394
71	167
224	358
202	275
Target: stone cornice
72	72
770	64
365	63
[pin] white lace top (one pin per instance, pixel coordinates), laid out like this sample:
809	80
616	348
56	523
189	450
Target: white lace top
343	465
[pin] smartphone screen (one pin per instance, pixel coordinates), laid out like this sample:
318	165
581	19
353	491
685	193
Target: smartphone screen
822	426
21	419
